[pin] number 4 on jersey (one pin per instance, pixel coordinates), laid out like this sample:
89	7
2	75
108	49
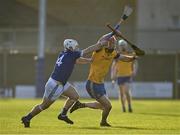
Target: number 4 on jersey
59	60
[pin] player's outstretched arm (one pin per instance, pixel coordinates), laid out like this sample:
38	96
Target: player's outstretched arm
101	43
83	60
91	48
127	58
135	67
113	70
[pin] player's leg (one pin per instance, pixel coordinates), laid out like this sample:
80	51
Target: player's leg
104	101
128	96
92	105
98	92
72	97
35	111
52	92
122	92
103	104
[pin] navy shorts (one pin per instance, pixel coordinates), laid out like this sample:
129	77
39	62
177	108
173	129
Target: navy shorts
125	79
95	90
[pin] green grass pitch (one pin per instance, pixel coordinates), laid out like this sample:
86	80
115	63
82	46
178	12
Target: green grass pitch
149	117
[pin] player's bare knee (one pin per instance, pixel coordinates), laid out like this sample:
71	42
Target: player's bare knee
108	107
75	97
128	93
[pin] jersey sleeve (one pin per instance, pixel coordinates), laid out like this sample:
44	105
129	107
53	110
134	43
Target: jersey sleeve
77	54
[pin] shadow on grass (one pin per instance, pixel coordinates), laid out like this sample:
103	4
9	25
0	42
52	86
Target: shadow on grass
133	128
111	128
122	127
141	128
161	114
94	128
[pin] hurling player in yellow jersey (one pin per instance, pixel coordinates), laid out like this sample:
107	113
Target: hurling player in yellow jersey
101	63
124	72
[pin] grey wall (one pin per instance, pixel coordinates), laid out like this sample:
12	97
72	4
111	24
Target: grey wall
158	24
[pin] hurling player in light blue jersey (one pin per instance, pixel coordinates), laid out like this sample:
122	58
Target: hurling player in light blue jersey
58	81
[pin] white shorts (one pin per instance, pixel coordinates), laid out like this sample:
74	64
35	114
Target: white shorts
54	90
